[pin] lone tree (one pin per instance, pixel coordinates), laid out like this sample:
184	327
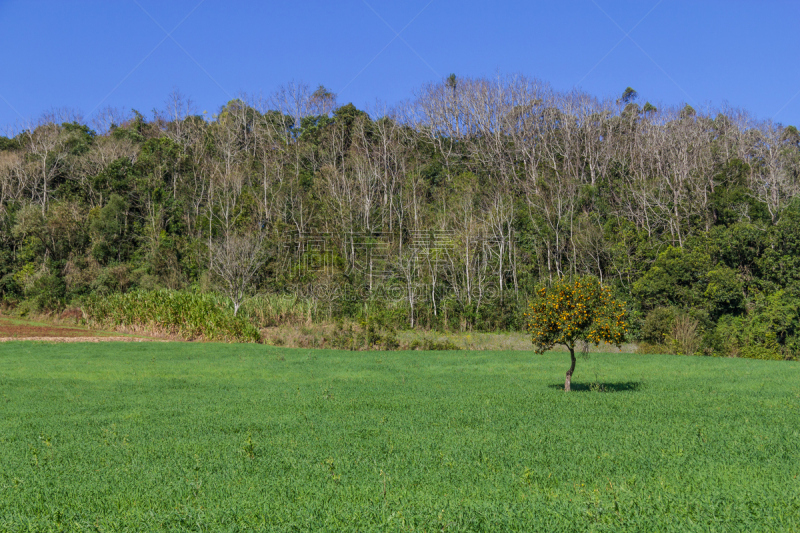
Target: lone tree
568	312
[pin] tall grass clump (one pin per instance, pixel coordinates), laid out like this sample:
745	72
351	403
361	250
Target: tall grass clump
188	314
269	310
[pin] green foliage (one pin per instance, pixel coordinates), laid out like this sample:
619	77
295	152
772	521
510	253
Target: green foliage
791	135
80	137
371	334
731	201
629	95
771	329
44	290
571	311
780	260
724	294
189	314
109	227
776	319
758	351
9	144
212	437
700	218
739	246
631	110
677	278
688	111
657	325
116	178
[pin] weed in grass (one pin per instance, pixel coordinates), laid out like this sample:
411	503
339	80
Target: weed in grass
249	447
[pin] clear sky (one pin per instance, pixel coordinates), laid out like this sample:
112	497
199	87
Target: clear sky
88	54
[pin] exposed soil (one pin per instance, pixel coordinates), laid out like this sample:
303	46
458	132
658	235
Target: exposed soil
80	339
17	330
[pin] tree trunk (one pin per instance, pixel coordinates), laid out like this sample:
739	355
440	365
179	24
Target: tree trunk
571	368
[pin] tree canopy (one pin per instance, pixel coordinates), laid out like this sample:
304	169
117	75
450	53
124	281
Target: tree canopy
569	312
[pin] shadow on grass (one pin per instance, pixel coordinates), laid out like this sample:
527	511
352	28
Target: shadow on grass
601	387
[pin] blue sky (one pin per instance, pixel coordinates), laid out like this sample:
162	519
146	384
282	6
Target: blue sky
90	54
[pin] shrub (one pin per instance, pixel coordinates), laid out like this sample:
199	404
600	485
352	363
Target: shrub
657	325
371	334
770	330
677	278
770	353
433	345
685	337
646	348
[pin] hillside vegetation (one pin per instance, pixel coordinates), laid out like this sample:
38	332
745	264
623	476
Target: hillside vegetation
443	213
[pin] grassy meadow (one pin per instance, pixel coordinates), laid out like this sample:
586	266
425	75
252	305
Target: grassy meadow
221	437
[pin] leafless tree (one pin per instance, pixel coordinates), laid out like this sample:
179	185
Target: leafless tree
297	100
407	265
770	179
12	178
107	118
47	147
235	261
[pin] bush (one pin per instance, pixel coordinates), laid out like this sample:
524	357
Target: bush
771	330
678	277
371	334
48	293
645	348
433	345
657	325
685	336
761	352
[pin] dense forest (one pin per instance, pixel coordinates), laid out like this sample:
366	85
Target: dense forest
443	212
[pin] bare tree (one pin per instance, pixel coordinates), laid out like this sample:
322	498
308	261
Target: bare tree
12	177
299	101
177	108
47	146
107	118
235	261
770	179
407	265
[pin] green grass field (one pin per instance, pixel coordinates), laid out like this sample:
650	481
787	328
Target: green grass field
213	437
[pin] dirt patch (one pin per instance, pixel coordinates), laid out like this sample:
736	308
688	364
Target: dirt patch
24	330
80	339
12	329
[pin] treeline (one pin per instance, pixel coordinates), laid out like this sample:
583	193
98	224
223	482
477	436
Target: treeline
443	212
